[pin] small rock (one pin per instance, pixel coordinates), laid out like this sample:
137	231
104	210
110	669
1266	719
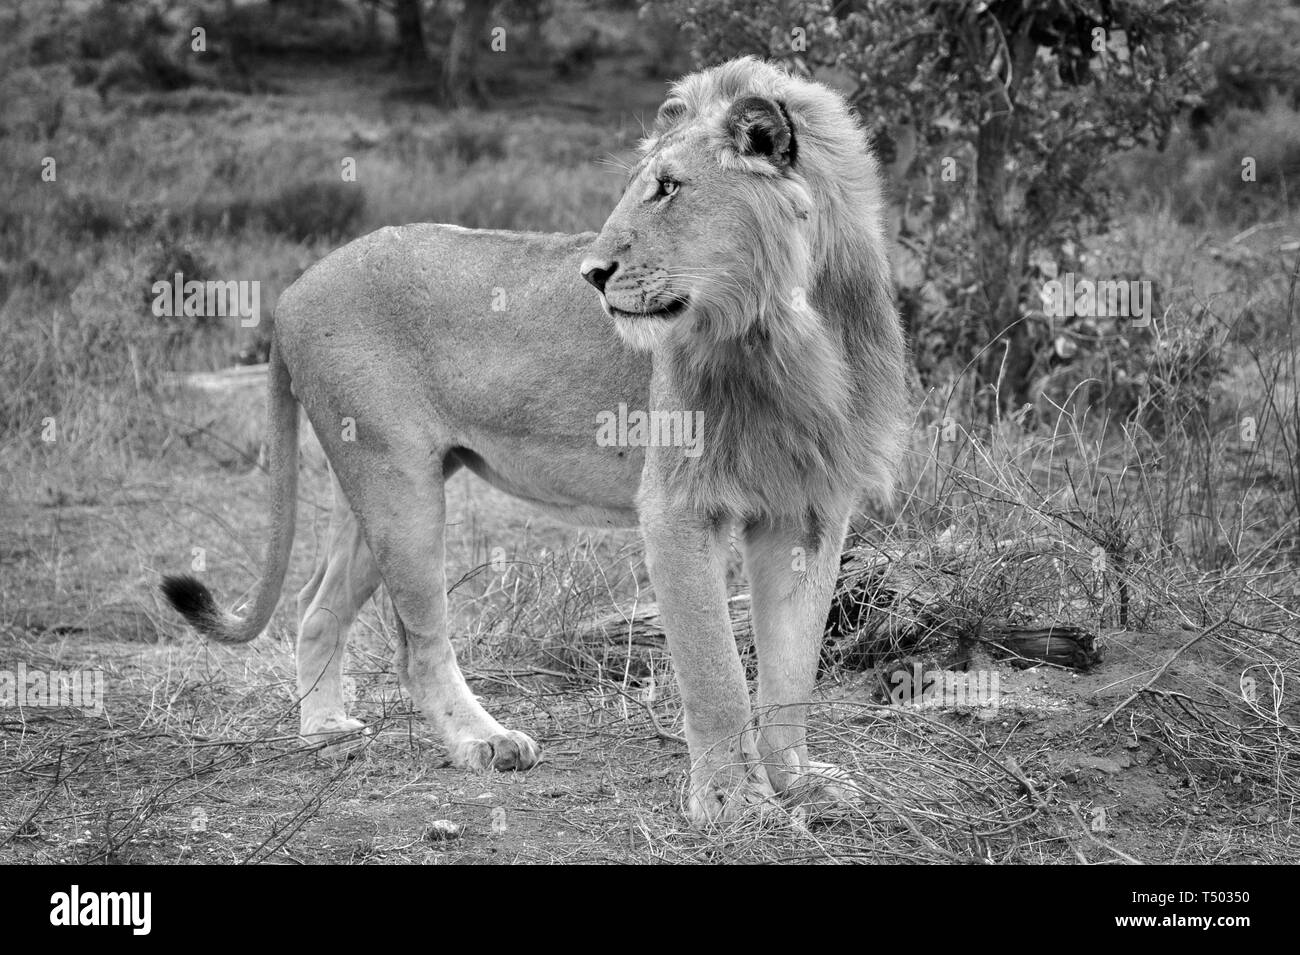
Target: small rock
442	830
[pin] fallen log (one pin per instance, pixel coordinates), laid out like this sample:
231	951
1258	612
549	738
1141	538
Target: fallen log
225	381
885	608
1068	647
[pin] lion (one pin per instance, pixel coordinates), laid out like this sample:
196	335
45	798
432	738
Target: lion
742	282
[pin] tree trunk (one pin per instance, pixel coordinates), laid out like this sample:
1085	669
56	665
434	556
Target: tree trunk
1007	357
461	83
1001	250
410	33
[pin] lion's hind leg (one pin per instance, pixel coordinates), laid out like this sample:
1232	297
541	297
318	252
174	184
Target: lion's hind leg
344	579
403	511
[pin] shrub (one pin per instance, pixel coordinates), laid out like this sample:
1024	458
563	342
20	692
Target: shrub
325	26
83	215
311	210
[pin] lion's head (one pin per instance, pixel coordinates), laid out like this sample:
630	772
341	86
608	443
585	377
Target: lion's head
727	218
748	254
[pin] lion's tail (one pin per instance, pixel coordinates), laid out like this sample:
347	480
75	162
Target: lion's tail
191	597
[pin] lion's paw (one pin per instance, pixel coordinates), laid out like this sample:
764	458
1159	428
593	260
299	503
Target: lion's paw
726	795
821	790
340	736
502	751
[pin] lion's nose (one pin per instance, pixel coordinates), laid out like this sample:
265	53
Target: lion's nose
597	272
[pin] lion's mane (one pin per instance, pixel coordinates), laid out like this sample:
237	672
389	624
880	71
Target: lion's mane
799	370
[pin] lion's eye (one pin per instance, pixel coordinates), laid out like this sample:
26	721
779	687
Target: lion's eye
667	187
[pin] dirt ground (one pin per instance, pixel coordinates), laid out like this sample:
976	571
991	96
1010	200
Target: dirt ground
194	758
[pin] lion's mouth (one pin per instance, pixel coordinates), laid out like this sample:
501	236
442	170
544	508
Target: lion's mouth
671	310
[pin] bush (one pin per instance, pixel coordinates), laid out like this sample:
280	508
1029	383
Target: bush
1201	178
469	138
312	210
166	258
1252	60
82	215
326	26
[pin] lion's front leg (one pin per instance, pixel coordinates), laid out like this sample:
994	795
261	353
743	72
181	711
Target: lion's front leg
685	553
792	570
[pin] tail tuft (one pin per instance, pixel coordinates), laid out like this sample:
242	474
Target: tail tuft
194	602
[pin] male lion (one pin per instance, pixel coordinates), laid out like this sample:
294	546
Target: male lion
745	267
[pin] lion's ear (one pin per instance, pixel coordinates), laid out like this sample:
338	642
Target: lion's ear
760	127
669	113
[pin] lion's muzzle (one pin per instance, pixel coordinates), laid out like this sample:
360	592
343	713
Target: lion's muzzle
633	292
